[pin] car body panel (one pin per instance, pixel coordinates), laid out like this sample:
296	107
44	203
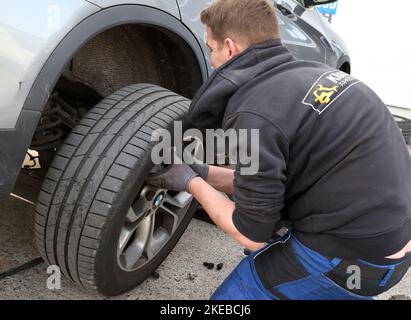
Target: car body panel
15	142
303	32
190	15
303	40
168	6
27	42
336	48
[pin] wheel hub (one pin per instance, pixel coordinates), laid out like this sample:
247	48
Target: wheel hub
150	223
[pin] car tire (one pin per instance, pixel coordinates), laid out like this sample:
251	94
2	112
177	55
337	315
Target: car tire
92	195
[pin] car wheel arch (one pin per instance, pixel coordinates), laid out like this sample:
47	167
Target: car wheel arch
62	55
92	26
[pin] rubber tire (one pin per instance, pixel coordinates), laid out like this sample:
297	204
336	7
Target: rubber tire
92	182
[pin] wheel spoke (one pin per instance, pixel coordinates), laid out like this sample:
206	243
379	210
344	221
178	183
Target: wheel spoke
157	239
135	249
174	217
130	225
150	243
180	200
139	208
125	235
149	224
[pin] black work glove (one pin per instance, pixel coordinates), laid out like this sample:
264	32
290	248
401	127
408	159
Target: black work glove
202	170
176	177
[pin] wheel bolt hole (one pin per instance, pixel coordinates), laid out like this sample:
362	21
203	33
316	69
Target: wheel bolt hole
150	195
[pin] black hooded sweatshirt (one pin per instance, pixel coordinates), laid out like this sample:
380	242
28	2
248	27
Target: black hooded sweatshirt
332	159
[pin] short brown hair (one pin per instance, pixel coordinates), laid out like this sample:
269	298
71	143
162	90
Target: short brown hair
246	21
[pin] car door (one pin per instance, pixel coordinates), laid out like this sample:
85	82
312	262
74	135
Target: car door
302	39
302	31
316	20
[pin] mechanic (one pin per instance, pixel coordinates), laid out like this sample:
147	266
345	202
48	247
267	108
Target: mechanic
332	162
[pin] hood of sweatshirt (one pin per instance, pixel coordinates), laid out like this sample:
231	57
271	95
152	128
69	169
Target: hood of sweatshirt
209	104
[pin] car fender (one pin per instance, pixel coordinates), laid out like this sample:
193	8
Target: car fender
12	154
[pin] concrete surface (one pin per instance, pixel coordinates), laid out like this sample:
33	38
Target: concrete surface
201	242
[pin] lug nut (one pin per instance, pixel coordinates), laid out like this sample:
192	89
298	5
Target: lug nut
208	265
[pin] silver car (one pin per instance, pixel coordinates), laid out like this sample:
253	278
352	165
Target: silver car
83	84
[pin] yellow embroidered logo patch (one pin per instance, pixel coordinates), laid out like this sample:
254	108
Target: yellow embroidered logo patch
327	89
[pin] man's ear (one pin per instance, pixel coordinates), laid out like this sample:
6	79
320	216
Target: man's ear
232	47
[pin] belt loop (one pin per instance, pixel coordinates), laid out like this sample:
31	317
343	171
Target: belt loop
387	276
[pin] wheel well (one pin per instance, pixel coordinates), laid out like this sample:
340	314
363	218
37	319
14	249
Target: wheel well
346	67
133	53
120	56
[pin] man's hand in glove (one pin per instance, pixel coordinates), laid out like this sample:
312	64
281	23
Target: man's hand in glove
176	177
202	169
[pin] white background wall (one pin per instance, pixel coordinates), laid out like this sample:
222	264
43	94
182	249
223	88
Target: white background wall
378	34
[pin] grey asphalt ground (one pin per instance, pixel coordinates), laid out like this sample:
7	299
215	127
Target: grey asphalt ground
201	242
23	276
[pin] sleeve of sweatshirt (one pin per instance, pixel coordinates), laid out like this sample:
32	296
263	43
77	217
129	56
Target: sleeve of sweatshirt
259	186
